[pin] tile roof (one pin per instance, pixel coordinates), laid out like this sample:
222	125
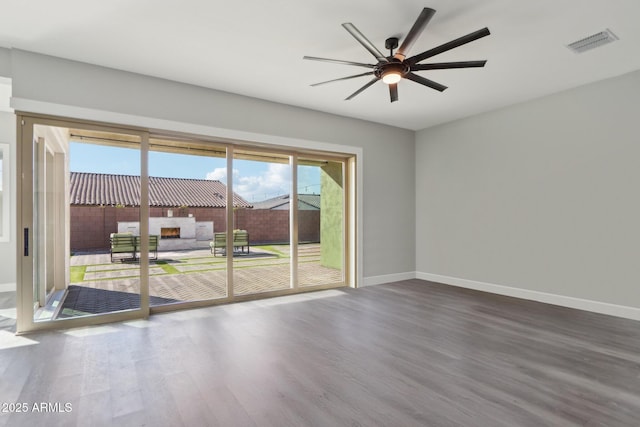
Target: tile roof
110	190
305	201
310	199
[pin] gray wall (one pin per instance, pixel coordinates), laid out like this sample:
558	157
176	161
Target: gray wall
8	249
5	62
541	196
388	167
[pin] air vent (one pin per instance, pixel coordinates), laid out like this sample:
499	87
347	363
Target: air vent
593	41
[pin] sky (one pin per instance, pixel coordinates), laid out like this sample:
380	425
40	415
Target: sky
254	181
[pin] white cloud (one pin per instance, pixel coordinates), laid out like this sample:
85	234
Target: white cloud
219	174
274	181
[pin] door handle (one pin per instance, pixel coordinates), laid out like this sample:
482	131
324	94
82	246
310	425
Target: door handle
26	242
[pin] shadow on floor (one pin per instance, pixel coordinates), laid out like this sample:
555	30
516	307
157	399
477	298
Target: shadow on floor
247	255
8	311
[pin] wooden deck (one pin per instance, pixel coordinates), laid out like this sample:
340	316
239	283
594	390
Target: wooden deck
193	275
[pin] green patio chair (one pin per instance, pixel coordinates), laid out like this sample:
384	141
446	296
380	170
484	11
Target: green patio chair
219	242
153	245
123	244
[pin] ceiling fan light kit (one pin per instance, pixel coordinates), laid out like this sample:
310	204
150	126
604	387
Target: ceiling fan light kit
395	67
391	77
392	72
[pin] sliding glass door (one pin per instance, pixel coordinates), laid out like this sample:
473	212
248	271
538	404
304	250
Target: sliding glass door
187	202
102	198
81	189
117	223
261	218
321	222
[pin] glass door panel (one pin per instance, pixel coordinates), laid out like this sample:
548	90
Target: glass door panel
320	222
261	237
86	192
187	202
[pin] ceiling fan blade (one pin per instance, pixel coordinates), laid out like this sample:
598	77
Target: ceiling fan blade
430	83
364	41
449	45
393	92
415	31
448	65
356	93
338	61
343	78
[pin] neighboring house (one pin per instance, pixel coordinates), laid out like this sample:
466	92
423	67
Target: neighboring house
95	189
306	202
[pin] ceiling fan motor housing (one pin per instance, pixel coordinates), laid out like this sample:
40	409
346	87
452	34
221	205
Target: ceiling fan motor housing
394	66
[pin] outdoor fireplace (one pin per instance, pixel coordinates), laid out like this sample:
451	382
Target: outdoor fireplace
174	233
170	232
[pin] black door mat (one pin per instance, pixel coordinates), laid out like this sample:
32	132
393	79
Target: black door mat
83	301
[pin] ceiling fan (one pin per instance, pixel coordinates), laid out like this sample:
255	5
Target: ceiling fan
393	68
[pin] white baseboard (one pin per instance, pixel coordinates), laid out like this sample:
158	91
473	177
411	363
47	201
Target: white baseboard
561	300
388	278
7	287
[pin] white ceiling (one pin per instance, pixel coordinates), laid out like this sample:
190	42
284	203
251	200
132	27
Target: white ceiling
255	47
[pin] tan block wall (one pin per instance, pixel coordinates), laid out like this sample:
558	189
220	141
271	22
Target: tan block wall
92	225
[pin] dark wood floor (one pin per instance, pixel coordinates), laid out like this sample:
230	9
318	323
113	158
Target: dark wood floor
407	354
